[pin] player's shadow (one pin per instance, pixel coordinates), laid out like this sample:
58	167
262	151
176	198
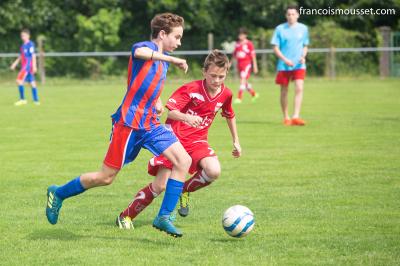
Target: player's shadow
137	224
255	122
224	239
54	234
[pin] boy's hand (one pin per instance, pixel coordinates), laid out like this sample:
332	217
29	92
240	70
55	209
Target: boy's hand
255	70
302	60
288	62
181	63
193	120
13	66
34	70
237	150
159	108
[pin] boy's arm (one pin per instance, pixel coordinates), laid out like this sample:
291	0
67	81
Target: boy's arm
15	63
255	66
146	53
279	54
304	54
34	65
192	120
237	150
159	107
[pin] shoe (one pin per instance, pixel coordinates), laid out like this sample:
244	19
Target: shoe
37	103
184	204
163	223
255	97
21	102
298	122
172	216
237	101
287	122
54	204
124	222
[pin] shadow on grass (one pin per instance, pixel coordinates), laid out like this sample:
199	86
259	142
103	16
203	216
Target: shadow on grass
224	239
136	223
53	234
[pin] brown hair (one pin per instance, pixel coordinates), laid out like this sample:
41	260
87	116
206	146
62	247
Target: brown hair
217	58
26	31
165	22
243	30
292	6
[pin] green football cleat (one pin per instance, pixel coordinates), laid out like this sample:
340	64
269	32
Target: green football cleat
124	222
237	101
184	204
255	97
163	223
54	204
20	102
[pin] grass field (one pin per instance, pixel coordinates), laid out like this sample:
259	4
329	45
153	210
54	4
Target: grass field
327	193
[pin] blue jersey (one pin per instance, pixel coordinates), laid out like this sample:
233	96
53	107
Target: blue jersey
27	50
291	40
145	83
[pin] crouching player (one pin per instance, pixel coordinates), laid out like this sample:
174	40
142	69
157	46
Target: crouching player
192	109
136	125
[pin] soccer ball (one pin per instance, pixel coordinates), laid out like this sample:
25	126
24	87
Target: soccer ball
238	221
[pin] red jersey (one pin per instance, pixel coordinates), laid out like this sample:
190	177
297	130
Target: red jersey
244	52
192	98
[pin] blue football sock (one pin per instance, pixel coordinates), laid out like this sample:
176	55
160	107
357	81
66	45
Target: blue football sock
21	92
171	197
72	188
35	94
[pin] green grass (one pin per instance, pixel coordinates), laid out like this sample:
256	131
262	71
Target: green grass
327	193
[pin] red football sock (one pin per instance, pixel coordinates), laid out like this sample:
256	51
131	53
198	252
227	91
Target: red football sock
252	92
199	180
142	199
240	94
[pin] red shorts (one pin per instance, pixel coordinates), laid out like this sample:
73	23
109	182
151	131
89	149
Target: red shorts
197	150
283	77
244	70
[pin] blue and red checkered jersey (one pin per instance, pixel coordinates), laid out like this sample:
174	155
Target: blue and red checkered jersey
27	50
145	83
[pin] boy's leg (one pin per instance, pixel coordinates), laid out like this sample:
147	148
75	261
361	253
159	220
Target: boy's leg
284	102
146	195
298	98
209	170
181	161
56	194
34	92
20	83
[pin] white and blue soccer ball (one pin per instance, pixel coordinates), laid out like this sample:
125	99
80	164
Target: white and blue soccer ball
238	221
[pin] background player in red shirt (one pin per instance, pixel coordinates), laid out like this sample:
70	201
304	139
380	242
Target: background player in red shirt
27	57
192	109
245	57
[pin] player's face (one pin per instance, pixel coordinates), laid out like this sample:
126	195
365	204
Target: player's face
215	76
292	16
172	40
24	36
242	37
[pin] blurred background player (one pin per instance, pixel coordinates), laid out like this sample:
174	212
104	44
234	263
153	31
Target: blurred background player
136	125
192	109
246	62
290	41
27	57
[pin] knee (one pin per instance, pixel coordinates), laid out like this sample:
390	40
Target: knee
107	178
184	162
213	172
158	188
19	82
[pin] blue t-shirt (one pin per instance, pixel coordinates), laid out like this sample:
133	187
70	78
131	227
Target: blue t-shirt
27	50
290	40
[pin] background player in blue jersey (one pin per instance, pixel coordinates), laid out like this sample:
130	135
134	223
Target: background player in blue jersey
290	41
27	57
136	125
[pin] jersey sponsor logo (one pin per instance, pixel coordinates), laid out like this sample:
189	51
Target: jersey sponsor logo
195	95
217	107
172	100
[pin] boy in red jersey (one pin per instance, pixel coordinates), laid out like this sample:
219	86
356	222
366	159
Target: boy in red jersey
192	109
245	57
136	125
